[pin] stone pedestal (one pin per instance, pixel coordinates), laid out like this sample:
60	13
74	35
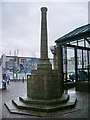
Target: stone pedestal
45	86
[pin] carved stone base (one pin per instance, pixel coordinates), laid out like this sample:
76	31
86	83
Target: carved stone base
43	86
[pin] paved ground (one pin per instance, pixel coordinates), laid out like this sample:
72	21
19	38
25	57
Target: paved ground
15	89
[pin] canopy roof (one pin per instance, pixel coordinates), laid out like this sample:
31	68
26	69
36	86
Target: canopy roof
77	34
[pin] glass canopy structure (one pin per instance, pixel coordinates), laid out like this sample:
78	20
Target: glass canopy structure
77	41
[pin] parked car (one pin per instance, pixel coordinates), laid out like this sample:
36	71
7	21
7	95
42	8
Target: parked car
82	75
72	77
68	79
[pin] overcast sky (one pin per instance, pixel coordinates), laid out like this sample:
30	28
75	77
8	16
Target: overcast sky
21	24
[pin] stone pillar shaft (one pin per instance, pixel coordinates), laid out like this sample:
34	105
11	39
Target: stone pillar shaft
44	44
44	63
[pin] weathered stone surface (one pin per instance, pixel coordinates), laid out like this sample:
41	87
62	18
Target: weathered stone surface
44	86
63	99
44	108
19	107
44	64
44	83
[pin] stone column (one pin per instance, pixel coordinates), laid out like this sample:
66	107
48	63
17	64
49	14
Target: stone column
44	62
44	83
58	63
58	59
44	44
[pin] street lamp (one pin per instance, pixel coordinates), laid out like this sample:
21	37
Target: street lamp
52	48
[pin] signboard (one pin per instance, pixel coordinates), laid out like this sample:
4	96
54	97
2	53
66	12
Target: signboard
24	65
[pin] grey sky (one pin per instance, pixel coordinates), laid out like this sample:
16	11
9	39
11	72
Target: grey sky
21	24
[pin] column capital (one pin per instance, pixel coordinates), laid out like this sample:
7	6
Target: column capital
44	9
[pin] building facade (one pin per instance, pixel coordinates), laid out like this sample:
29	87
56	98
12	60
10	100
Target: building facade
79	41
18	67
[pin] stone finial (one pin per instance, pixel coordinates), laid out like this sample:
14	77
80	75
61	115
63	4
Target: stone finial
44	9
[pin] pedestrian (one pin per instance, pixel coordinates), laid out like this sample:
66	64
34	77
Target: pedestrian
8	79
4	81
23	79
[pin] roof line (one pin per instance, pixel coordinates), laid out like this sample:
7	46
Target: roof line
83	30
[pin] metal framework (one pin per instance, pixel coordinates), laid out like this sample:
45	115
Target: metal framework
79	40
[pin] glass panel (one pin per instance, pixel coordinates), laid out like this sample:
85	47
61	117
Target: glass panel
65	63
87	44
70	65
79	58
73	43
81	43
85	60
83	74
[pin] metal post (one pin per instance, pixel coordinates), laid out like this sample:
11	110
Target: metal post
76	74
88	66
61	62
66	62
82	60
84	43
65	50
77	42
13	68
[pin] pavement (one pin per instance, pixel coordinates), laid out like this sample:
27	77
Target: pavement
17	88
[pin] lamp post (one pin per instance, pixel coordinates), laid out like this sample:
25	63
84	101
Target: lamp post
52	48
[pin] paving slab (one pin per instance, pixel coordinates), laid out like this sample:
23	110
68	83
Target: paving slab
16	89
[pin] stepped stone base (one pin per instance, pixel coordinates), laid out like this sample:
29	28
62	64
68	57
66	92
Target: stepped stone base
24	105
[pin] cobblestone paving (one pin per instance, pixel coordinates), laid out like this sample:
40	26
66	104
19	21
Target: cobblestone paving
15	89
